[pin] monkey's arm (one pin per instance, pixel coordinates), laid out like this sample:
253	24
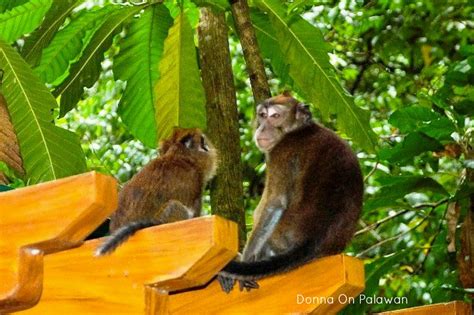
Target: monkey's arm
171	212
261	234
257	246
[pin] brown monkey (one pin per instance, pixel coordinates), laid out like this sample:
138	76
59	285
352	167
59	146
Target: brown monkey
167	189
312	197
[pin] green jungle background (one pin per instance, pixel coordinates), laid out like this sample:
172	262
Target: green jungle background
394	78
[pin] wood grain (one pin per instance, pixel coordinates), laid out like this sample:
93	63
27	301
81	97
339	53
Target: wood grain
177	256
328	277
451	308
43	219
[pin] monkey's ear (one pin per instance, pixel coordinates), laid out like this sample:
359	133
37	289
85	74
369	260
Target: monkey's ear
303	113
164	146
287	93
188	141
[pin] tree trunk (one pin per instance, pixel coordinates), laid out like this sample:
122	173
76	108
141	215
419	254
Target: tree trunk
466	254
222	117
253	59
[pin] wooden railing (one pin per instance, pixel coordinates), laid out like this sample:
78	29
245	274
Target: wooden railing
451	308
46	268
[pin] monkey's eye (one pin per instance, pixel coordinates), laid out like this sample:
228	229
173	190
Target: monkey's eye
276	115
204	145
262	115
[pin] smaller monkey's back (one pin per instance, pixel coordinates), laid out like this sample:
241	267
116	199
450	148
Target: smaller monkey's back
163	179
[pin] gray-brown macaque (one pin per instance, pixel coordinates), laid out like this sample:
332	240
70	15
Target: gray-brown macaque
312	197
167	189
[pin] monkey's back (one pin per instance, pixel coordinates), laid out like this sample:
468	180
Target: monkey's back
163	179
326	180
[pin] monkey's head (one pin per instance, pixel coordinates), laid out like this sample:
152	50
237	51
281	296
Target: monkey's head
278	116
191	142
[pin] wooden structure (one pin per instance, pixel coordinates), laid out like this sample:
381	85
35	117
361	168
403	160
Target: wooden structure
451	308
46	268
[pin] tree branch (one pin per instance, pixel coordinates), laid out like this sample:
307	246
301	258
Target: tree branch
253	59
433	206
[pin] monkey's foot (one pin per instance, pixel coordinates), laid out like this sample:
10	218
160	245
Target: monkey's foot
227	283
248	285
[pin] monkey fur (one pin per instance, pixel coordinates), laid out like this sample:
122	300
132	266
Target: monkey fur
167	189
312	197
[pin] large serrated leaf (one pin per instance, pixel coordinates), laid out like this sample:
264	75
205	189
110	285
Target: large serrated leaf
86	71
48	152
305	52
40	38
180	99
67	45
268	44
22	19
137	63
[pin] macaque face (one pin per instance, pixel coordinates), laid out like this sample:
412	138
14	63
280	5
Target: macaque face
273	122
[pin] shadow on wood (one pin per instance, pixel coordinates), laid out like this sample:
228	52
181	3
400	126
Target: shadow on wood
177	255
43	219
326	284
451	308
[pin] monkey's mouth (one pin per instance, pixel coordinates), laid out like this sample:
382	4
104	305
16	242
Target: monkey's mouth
264	142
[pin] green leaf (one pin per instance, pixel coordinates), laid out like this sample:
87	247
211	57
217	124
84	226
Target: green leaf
22	19
418	118
86	71
465	107
408	119
217	4
10	4
396	187
306	53
5	188
413	144
39	39
268	44
48	152
379	268
180	99
439	129
137	63
67	45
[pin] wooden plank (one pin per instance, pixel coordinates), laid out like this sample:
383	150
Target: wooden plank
43	219
322	283
451	308
178	255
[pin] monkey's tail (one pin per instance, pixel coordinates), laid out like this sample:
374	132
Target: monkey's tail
121	235
274	265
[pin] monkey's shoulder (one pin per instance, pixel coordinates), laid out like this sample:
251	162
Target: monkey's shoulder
162	173
311	137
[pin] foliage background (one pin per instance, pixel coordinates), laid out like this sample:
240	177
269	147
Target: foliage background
411	63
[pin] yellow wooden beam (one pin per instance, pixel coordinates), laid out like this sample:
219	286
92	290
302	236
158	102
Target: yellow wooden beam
177	256
43	219
321	287
451	308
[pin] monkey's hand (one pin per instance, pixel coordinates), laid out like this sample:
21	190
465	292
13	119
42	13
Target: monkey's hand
248	285
227	284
